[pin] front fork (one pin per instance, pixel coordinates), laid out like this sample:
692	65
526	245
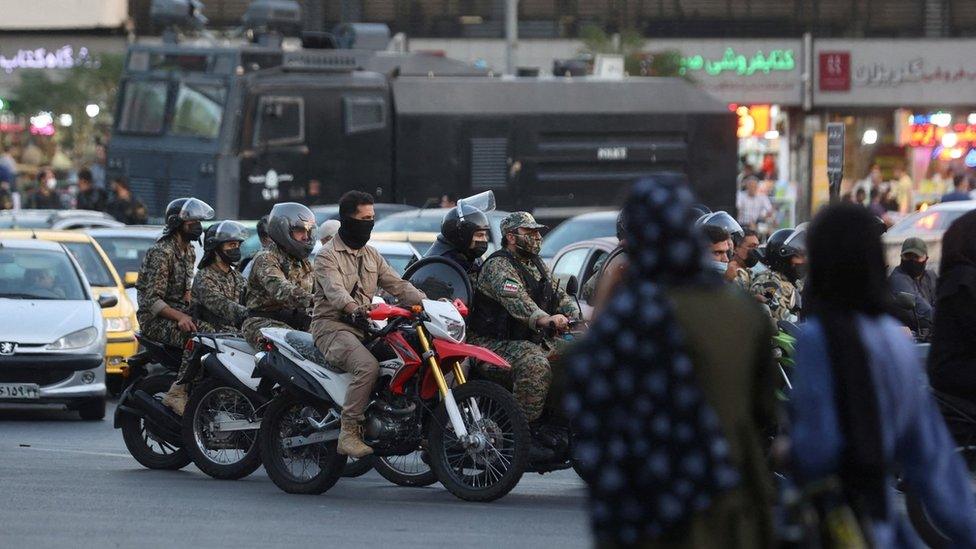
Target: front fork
453	412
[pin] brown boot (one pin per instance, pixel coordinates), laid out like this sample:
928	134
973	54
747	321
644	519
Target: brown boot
176	398
351	441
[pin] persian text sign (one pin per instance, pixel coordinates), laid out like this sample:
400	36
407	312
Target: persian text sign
895	73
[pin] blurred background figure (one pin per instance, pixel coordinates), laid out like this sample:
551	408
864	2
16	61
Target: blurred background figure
668	422
90	197
952	358
328	230
752	206
960	189
448	200
858	410
45	193
124	206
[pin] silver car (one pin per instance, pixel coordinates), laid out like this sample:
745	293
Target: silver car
52	338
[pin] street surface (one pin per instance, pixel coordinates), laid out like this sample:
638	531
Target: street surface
71	483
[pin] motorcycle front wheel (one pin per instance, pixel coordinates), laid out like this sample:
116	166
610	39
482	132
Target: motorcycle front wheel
226	455
150	450
295	465
490	463
410	470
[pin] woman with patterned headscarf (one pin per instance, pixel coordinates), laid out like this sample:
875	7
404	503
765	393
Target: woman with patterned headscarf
670	391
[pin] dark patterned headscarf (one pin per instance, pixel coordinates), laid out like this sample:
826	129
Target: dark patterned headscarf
647	440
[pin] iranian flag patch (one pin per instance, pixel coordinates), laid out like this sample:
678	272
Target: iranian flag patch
510	287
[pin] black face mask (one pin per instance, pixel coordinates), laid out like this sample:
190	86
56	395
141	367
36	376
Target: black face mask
355	232
477	251
913	268
752	258
231	256
796	272
193	232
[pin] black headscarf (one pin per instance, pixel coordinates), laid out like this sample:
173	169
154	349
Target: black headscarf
847	278
958	266
647	439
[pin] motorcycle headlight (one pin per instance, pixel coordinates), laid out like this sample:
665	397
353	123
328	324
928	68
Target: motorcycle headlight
456	330
119	324
75	340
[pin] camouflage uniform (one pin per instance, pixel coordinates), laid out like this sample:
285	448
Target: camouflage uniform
216	298
588	291
165	280
743	279
278	282
531	374
782	296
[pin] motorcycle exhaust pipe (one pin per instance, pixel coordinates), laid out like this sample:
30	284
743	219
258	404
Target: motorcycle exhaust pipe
166	424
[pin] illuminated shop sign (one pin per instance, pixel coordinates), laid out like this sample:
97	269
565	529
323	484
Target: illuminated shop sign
64	57
740	64
754	120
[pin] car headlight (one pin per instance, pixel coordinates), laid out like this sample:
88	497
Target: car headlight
118	324
75	340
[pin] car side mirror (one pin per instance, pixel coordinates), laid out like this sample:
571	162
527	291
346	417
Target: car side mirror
130	279
905	300
107	300
572	286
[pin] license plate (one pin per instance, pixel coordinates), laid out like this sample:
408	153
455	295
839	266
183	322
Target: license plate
19	390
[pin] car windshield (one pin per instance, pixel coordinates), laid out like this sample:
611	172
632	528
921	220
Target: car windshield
931	221
91	263
410	222
143	107
198	110
577	230
125	252
38	274
399	262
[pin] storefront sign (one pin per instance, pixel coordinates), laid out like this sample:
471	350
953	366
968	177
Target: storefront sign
739	63
898	73
835	156
41	58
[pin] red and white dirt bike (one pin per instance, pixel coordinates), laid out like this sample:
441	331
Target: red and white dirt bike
475	436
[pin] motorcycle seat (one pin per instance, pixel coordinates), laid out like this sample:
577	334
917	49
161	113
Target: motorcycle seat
305	345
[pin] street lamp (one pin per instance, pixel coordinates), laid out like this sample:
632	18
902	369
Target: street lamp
66	120
92	110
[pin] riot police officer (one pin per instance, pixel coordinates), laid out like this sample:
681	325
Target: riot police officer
463	238
279	287
780	286
516	303
217	286
165	280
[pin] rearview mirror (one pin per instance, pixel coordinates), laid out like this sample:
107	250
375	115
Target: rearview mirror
572	285
905	300
107	300
130	279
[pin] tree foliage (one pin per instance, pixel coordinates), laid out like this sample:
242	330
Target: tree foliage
630	44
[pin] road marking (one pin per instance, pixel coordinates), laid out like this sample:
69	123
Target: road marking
67	451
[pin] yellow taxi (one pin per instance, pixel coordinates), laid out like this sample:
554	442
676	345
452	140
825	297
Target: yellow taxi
120	320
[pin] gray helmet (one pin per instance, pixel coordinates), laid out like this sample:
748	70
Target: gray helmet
185	209
224	231
725	221
287	217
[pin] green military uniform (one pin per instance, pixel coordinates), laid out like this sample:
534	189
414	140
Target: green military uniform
503	286
165	280
782	296
278	283
216	298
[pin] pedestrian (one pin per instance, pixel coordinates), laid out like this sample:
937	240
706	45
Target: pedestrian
125	207
667	421
904	189
753	207
45	195
98	167
961	188
912	277
859	412
876	207
90	197
952	358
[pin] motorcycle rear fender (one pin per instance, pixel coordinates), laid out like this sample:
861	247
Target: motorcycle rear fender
448	352
294	379
218	370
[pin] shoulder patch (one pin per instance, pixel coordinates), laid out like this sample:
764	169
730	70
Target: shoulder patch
510	287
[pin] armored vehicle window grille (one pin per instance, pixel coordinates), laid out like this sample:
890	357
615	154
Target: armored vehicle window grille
280	121
363	114
489	162
143	107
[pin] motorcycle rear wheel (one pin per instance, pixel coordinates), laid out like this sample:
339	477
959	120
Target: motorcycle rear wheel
491	472
286	417
409	470
227	463
149	450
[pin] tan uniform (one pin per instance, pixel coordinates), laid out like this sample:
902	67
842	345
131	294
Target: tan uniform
342	276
